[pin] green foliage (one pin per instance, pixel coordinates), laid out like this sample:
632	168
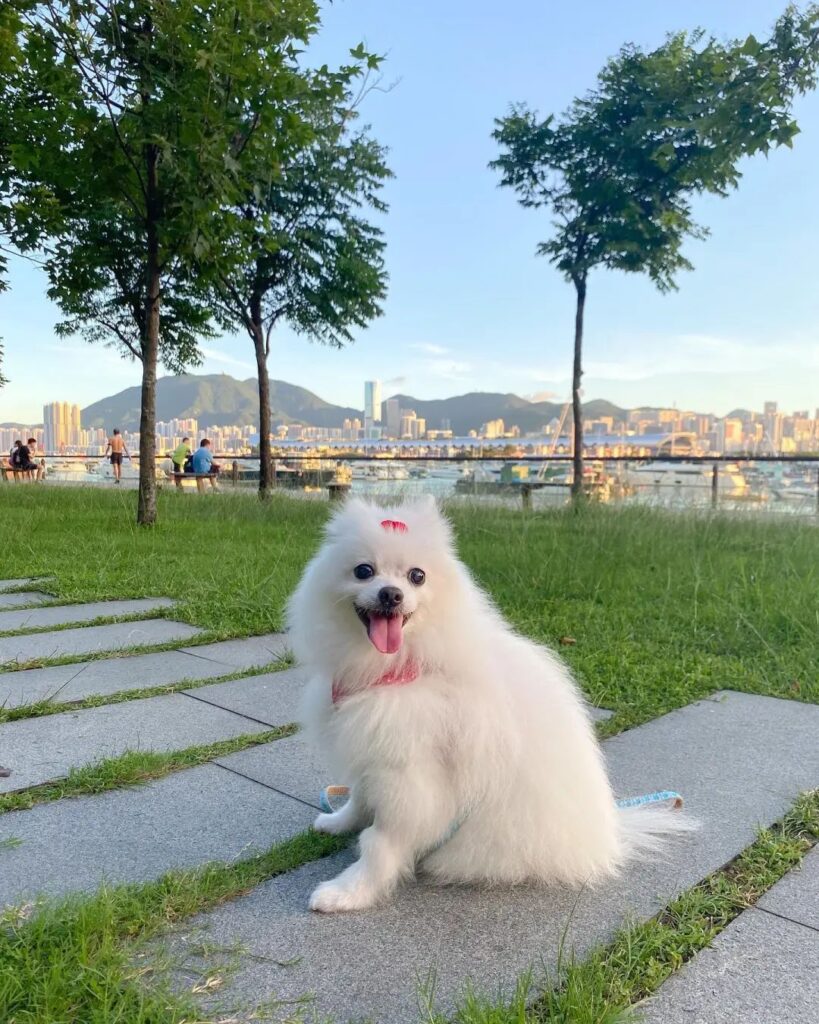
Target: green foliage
130	124
302	248
619	170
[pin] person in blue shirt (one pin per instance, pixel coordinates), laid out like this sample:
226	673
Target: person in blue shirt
204	466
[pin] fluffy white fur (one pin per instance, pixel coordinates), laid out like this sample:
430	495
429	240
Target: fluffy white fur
493	736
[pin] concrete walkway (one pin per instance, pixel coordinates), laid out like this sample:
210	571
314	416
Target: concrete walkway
243	802
763	967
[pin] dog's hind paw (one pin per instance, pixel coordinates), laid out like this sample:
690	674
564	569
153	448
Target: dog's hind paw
335	898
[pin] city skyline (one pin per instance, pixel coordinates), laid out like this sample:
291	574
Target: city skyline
470	306
770	431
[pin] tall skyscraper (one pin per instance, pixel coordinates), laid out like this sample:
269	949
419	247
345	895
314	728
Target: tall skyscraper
61	426
372	401
393	417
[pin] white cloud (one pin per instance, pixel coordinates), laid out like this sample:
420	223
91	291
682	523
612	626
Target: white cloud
432	350
219	357
448	369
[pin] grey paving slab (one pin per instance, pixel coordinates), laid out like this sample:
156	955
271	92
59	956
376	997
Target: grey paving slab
760	969
90	639
38	750
272	697
708	751
65	614
24	597
796	896
245	652
600	714
24	582
137	834
290	765
66	683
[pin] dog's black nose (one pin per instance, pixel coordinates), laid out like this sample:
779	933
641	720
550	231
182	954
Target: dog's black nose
390	598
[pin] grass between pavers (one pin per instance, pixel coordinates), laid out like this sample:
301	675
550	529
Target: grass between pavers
101	620
133	768
73	960
662	607
48	706
202	639
76	959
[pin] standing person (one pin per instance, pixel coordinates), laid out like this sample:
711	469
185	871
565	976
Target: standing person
204	466
27	454
179	458
117	445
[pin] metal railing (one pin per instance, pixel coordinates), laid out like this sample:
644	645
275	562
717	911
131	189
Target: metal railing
611	477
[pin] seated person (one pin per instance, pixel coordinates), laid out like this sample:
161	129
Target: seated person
179	457
203	465
26	455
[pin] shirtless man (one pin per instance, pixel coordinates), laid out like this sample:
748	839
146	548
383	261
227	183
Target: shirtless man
116	444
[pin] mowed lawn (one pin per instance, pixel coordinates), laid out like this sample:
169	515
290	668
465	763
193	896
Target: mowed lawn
651	609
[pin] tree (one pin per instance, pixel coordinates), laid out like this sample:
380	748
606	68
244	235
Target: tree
303	251
621	167
133	121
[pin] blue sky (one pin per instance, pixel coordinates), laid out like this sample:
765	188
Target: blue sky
470	306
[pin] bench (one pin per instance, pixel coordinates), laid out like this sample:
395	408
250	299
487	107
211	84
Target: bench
338	491
200	479
17	474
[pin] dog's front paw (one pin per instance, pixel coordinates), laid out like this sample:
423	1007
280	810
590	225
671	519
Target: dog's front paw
333	824
335	897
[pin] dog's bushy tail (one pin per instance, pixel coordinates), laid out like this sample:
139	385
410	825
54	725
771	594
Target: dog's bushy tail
645	831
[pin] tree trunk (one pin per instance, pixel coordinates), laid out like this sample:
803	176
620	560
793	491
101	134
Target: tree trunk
266	481
146	506
577	405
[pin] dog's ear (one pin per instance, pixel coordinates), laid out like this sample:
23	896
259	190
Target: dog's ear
352	510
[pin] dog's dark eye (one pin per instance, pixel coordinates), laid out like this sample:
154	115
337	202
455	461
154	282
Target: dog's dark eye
416	576
364	571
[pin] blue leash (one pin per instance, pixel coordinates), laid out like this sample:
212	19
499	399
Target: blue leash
661	796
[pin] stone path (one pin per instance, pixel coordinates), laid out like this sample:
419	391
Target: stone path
25	582
763	967
243	802
64	614
137	834
709	751
66	683
39	750
24	597
23	647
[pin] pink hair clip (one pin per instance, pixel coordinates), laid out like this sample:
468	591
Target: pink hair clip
394	524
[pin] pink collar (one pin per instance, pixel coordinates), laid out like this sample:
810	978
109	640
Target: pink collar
408	674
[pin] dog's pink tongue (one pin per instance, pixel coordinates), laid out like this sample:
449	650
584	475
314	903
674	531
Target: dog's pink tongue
386	632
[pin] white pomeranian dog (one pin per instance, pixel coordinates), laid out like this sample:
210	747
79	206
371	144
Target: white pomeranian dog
468	750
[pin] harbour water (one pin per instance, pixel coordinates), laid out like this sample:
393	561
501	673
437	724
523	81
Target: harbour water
787	487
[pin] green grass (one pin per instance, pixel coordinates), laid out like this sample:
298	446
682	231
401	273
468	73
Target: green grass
73	961
132	768
664	608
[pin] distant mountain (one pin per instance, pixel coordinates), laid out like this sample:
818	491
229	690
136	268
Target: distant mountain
468	412
216	400
220	400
